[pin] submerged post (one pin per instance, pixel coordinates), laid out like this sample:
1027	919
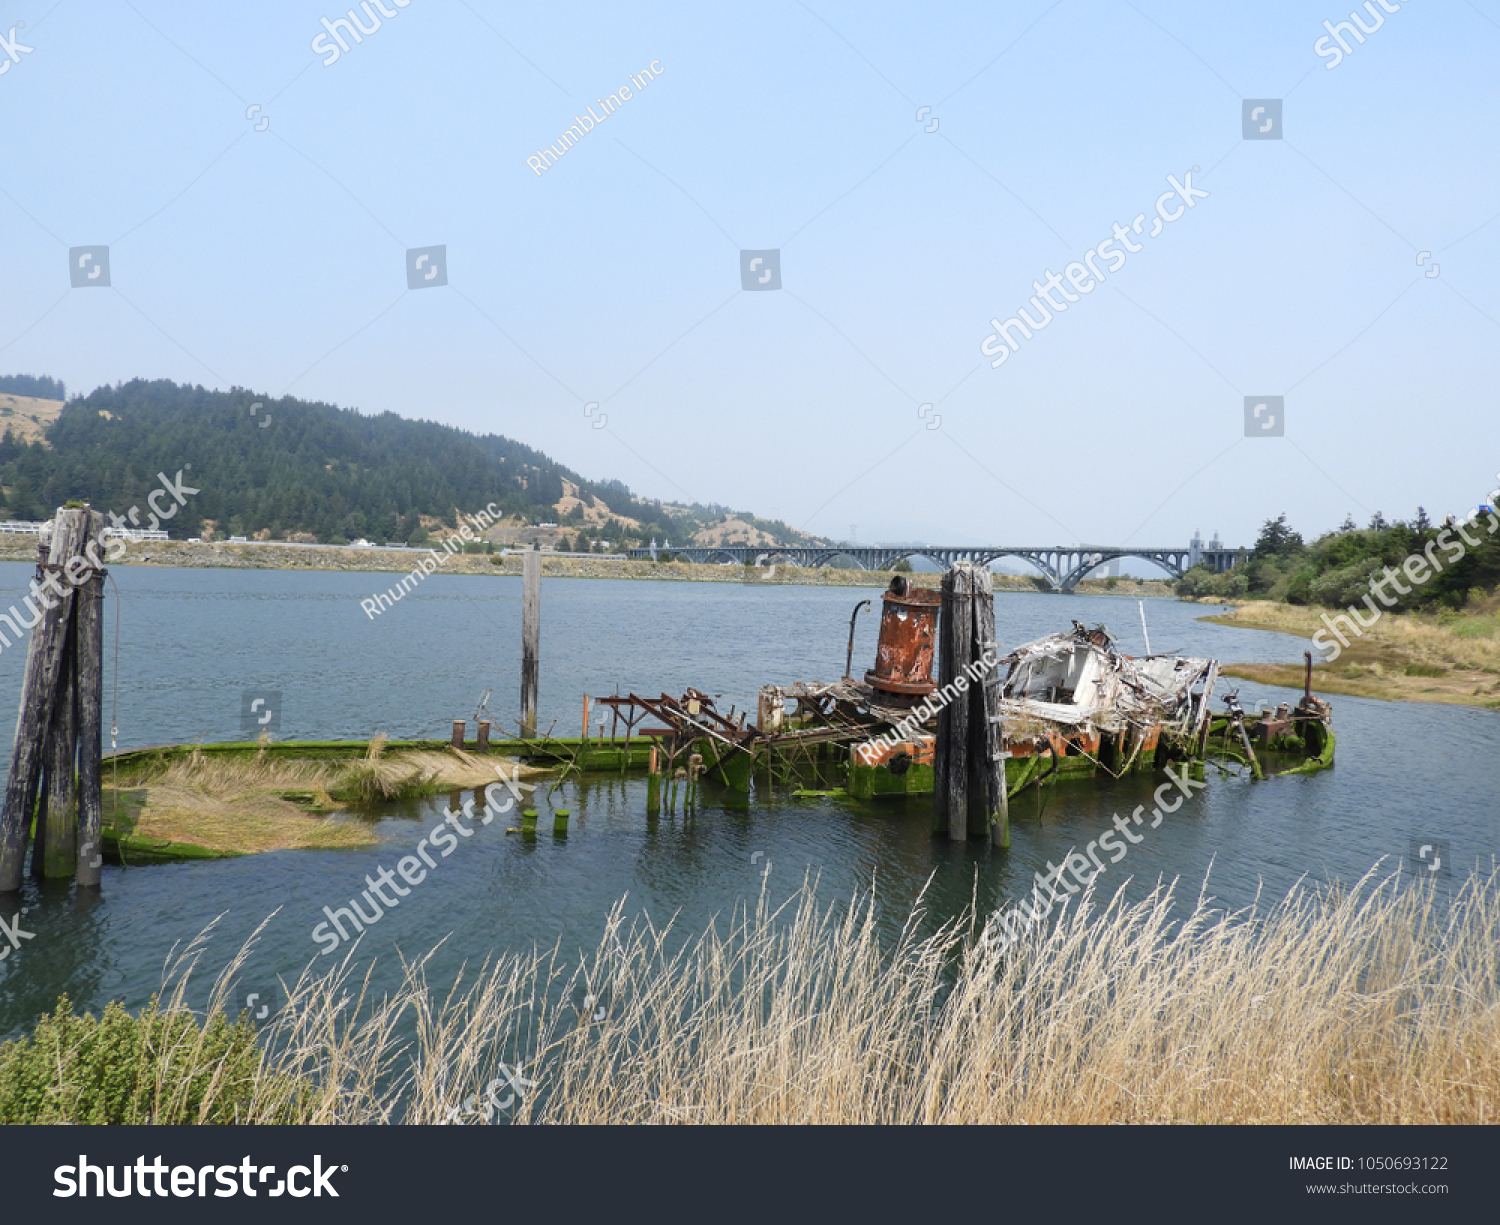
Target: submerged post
531	637
653	786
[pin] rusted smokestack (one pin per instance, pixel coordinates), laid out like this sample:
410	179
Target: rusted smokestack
908	640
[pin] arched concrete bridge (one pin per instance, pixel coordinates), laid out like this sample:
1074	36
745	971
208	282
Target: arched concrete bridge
1061	565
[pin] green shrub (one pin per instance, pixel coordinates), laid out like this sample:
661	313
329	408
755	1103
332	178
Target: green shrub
160	1067
1343	586
1299	590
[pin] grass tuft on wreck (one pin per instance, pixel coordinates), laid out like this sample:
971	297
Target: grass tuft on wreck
181	803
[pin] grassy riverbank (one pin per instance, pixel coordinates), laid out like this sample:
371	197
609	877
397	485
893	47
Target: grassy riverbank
1414	657
301	557
1368	1005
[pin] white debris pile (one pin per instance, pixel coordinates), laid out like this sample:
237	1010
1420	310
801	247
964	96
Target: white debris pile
1081	680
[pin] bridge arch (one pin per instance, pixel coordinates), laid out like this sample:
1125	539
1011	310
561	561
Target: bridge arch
1062	566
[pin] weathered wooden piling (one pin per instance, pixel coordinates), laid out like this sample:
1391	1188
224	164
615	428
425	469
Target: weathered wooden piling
531	638
969	793
991	803
458	733
955	644
560	821
57	729
482	741
88	623
55	851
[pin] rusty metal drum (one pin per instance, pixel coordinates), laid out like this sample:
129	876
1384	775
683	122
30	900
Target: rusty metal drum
908	641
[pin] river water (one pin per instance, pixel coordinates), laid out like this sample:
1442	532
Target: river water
192	642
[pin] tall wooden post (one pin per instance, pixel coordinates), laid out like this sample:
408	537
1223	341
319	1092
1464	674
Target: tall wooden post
941	743
89	640
993	799
52	601
55	851
951	792
531	638
39	837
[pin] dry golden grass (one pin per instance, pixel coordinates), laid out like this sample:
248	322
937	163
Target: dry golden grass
1452	658
1362	1006
276	803
240	806
28	417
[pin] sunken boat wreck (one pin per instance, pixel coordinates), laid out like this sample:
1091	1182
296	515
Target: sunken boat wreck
943	713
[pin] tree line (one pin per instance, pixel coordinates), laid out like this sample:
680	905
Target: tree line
1334	571
288	466
42	388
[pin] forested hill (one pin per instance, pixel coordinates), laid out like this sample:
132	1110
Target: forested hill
289	466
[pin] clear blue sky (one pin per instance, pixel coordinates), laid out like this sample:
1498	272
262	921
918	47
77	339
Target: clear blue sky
275	259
